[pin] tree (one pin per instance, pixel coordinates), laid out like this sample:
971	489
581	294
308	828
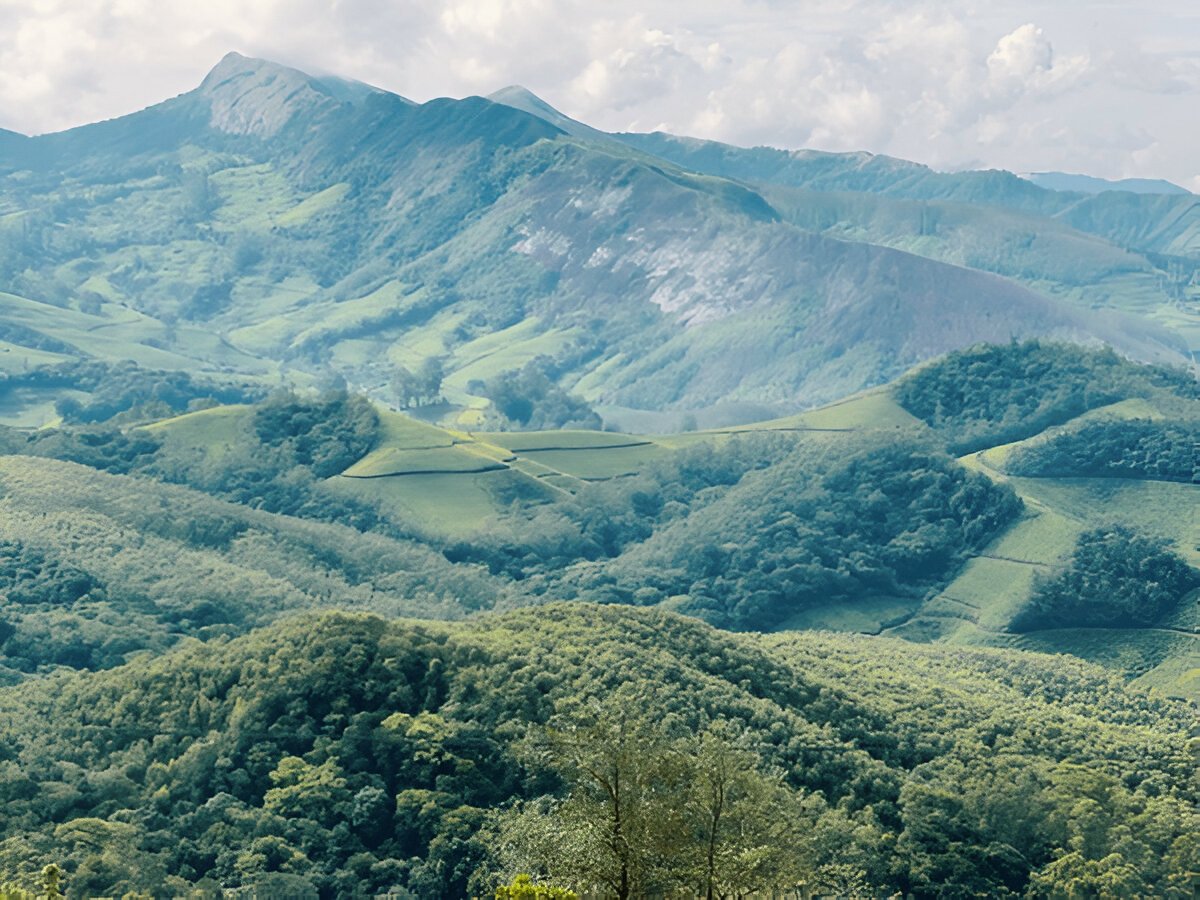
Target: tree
748	825
421	387
52	879
618	827
647	814
407	387
1075	877
430	378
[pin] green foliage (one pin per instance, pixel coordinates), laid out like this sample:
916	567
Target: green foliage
123	389
1115	577
529	400
421	387
50	884
344	754
994	394
100	447
1123	448
651	815
95	568
327	434
758	529
523	887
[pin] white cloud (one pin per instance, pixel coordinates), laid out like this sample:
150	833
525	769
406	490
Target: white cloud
1023	62
1023	54
1007	83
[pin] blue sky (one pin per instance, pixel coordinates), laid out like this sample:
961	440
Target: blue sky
1109	89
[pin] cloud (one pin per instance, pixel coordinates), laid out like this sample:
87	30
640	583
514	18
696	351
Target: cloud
1022	55
1023	62
1008	83
633	67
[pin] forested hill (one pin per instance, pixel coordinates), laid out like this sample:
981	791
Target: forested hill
1079	470
349	755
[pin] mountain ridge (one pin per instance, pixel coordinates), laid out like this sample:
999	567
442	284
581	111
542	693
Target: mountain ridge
1090	184
406	231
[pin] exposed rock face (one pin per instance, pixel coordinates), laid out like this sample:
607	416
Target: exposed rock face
259	98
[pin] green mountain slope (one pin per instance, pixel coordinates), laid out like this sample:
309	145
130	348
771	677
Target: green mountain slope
346	754
1111	250
869	173
284	227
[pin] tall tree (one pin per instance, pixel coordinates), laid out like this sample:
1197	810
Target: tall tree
748	826
649	814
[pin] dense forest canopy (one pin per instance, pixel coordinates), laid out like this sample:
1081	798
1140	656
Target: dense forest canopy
125	390
356	755
1115	448
993	394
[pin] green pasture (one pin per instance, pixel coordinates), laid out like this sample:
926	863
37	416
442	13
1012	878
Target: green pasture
599	463
448	504
524	441
393	461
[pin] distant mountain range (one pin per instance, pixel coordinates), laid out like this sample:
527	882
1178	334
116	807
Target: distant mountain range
278	226
1087	184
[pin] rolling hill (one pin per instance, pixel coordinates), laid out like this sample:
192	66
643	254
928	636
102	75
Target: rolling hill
872	511
223	663
1087	184
702	521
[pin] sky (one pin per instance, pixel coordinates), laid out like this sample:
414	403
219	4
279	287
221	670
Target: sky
1103	88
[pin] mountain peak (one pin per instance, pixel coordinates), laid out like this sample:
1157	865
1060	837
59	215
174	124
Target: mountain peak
523	98
526	100
235	65
258	97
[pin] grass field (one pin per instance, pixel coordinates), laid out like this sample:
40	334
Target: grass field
870	615
523	441
16	358
1168	509
443	503
318	203
445	460
868	410
599	463
453	481
211	431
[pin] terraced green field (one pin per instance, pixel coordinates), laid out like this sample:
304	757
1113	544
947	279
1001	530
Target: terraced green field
441	503
452	460
452	481
1170	510
525	441
979	603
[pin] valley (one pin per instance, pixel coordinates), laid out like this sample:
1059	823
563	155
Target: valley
383	483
